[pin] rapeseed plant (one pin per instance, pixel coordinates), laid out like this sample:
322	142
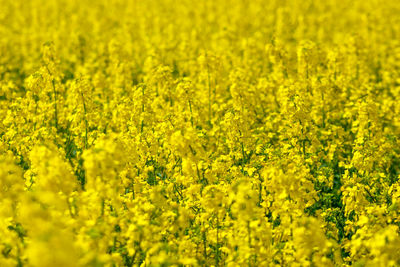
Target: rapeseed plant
199	133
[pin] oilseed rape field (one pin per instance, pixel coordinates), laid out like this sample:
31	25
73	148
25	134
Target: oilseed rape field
199	133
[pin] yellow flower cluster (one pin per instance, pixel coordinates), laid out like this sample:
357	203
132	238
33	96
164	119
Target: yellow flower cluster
199	133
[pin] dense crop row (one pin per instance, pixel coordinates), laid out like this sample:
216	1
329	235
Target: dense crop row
199	133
